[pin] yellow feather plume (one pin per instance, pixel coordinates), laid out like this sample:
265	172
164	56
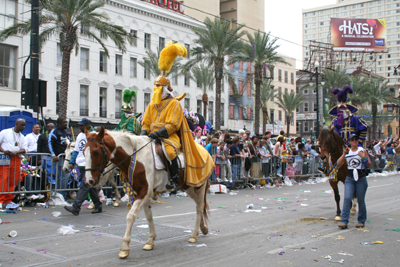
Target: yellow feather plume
168	55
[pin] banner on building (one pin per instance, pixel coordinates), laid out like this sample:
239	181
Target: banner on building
274	129
358	34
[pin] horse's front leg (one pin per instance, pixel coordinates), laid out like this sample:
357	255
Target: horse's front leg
198	197
152	236
353	208
337	199
130	219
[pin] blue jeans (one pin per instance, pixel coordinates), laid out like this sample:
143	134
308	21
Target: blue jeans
235	171
54	170
361	189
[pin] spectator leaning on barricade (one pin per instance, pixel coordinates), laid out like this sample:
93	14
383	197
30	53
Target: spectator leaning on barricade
278	154
43	147
57	144
78	158
265	159
31	141
212	149
254	157
228	166
244	149
235	159
12	144
220	162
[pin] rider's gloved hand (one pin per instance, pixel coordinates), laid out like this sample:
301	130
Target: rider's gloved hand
163	133
154	135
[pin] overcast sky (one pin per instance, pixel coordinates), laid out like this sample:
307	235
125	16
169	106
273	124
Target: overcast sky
284	19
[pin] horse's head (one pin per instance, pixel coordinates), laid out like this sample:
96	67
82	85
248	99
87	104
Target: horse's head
330	142
68	152
97	153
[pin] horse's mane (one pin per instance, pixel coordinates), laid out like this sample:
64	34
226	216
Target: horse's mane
337	141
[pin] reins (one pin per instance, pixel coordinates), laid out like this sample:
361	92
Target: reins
116	165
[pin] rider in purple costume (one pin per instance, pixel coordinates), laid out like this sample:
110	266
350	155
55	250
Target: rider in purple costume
346	123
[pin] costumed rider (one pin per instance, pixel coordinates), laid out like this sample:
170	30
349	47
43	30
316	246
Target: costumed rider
129	122
346	123
164	120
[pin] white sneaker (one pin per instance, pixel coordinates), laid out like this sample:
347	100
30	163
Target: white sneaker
231	181
226	180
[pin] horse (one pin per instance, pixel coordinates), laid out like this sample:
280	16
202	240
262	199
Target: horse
109	176
147	181
331	147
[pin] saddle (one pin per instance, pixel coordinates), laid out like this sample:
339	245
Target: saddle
161	159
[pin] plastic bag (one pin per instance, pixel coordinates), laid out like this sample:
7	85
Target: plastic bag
56	213
288	182
67	230
101	196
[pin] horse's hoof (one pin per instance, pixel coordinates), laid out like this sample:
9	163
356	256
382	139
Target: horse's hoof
352	212
91	206
148	247
123	254
204	230
128	207
192	240
338	218
116	204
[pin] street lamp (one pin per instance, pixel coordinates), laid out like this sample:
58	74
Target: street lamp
316	74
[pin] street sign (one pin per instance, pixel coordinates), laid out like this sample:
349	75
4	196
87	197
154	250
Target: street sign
366	116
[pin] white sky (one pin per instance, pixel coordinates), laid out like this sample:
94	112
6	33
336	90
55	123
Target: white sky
284	19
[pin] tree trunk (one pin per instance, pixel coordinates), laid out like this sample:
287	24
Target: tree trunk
258	79
205	103
66	60
218	65
288	126
374	112
265	119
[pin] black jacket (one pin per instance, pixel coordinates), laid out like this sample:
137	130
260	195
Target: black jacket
57	141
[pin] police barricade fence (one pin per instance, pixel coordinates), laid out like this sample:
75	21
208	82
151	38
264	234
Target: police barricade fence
381	163
242	171
39	176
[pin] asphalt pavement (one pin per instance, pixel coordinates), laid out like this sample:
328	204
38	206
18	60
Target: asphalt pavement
284	228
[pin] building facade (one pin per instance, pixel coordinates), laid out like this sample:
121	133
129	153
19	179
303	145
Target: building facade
97	81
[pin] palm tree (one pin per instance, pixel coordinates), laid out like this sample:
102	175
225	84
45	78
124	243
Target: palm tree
383	118
359	85
260	50
267	92
336	78
204	77
215	41
63	19
289	102
376	94
150	62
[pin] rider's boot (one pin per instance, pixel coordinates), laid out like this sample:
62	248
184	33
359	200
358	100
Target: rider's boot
174	174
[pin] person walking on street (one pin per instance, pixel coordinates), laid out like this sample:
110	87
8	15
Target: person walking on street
12	144
356	181
78	158
57	144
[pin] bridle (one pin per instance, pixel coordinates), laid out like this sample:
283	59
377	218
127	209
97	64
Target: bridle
103	157
330	150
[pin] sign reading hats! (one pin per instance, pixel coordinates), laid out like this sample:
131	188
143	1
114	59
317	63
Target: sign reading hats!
358	34
169	4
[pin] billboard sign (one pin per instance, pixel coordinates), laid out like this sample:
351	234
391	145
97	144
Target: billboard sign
358	34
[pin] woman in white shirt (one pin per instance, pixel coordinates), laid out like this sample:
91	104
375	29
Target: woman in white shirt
356	181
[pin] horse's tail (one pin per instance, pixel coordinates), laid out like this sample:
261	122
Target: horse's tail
206	207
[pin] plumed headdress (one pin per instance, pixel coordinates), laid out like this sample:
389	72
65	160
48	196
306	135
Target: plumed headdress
127	98
341	96
167	58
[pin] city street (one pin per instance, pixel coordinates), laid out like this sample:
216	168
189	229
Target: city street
289	222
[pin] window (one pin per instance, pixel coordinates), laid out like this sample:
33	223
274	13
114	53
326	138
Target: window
272	116
118	64
8	11
7	66
232	66
292	78
84	29
147	40
187	80
231	111
199	106
305	126
240	85
118	103
280	92
174	78
248	66
286	91
103	103
248	113
305	92
286	77
161	43
188	50
211	111
241	66
222	114
280	115
315	106
187	103
146	100
231	89
84	58
103	62
305	107
297	127
133	34
280	75
133	103
298	109
292	119
58	92
133	67
248	89
146	72
103	35
59	54
84	106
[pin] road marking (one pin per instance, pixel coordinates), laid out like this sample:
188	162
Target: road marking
179	214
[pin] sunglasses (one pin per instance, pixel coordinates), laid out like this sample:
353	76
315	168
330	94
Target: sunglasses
353	139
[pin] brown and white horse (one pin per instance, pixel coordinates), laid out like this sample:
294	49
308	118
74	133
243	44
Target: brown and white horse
332	146
117	147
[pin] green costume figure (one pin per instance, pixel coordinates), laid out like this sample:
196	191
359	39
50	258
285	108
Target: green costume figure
129	122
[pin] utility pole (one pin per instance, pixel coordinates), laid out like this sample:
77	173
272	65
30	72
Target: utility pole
34	53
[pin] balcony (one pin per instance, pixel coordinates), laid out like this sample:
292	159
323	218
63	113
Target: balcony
84	112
